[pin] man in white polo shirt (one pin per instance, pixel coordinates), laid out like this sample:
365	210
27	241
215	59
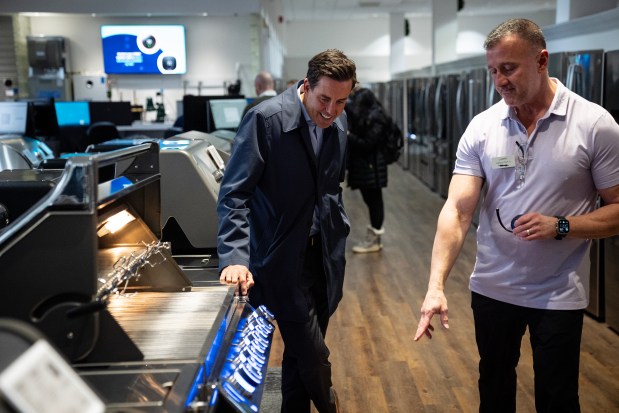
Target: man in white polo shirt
544	154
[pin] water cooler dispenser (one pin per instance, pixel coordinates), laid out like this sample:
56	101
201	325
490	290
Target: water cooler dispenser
48	67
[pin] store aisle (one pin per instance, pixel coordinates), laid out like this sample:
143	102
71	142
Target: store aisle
376	365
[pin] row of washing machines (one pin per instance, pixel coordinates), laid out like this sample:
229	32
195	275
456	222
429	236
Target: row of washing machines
110	297
433	107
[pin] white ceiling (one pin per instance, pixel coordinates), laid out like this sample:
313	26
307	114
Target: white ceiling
320	10
293	10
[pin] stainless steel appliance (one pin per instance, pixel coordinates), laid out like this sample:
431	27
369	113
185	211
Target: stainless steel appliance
445	111
580	71
397	113
471	99
147	331
492	96
189	219
416	124
21	152
611	245
90	87
381	91
427	155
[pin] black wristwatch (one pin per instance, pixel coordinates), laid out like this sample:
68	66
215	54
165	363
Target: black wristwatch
562	226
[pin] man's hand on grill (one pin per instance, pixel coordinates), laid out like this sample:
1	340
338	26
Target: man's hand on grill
237	274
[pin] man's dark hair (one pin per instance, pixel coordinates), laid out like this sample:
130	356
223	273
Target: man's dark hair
523	28
333	64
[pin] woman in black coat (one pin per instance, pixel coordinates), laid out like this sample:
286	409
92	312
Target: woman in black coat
368	126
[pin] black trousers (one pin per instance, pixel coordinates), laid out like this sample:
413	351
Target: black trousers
306	370
555	342
373	198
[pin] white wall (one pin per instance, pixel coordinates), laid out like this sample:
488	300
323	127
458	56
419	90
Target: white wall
472	31
606	40
218	46
596	31
364	41
445	31
572	9
418	43
368	43
272	44
218	49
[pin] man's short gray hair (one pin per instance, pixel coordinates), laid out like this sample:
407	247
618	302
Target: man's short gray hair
523	28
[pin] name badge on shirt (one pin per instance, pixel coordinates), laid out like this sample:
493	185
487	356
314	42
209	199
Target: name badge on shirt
501	162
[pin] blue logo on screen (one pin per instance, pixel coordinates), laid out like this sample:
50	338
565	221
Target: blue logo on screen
143	49
122	55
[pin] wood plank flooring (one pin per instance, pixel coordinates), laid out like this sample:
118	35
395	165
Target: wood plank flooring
376	365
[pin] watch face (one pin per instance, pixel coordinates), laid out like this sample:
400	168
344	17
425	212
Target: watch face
563	226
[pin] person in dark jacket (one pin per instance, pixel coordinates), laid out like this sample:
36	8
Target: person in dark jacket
367	169
282	225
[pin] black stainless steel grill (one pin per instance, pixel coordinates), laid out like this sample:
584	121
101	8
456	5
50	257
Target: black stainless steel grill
169	326
145	331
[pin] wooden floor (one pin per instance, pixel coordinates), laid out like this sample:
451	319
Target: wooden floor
376	365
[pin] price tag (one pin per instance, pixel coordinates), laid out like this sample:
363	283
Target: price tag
40	381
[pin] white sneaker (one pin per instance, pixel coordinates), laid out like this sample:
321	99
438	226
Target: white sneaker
372	242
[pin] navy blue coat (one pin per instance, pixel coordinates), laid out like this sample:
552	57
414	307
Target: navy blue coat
271	184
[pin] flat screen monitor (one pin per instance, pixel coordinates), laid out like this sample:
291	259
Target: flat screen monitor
72	113
194	108
227	113
41	117
119	113
144	49
13	117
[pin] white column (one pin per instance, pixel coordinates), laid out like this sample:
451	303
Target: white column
397	41
445	31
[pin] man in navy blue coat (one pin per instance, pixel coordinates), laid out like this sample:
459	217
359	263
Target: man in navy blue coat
282	225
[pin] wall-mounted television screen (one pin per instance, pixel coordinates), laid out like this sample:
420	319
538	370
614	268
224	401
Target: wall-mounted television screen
13	116
144	49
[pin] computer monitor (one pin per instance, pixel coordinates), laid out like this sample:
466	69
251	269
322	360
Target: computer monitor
119	113
72	113
194	108
41	117
227	113
13	117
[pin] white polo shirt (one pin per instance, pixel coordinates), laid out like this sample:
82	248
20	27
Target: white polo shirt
573	150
